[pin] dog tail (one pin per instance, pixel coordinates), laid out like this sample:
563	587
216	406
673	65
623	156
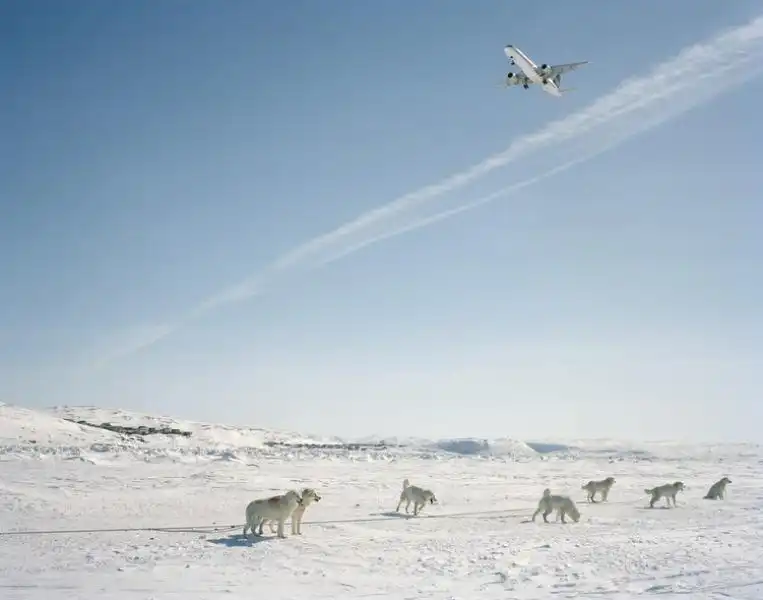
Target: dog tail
406	483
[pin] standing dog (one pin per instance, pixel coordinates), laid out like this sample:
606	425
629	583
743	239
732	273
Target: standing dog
718	489
276	508
563	505
667	491
309	495
602	487
419	497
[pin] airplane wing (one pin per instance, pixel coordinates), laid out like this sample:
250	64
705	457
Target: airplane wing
562	69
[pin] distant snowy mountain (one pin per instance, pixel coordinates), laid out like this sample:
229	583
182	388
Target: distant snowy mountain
74	429
78	431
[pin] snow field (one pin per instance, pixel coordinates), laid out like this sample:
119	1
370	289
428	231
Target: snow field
477	543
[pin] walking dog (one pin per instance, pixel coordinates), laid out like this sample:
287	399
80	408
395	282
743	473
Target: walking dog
667	491
563	505
602	487
419	496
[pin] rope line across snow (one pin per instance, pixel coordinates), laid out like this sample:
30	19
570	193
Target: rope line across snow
223	528
215	528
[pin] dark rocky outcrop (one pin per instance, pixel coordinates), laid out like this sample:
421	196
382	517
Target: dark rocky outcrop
139	430
328	446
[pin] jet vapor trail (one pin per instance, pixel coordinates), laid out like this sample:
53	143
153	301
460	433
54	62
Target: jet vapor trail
692	77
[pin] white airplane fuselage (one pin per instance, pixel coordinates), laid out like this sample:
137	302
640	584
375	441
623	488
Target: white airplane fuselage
530	69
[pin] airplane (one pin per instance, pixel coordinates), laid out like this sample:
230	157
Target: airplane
549	77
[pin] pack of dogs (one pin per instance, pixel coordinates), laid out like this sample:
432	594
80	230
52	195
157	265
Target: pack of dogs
276	510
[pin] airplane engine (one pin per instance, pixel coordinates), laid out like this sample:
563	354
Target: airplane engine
544	67
509	75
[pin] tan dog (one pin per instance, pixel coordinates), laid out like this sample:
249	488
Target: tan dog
602	487
718	489
309	495
563	505
276	508
667	491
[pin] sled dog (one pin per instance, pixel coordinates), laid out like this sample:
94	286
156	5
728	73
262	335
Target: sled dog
718	489
309	495
563	505
667	491
276	508
602	487
419	497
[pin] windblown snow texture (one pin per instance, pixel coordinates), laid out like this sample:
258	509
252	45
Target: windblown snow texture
181	500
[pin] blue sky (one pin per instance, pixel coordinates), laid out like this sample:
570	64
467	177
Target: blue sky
156	154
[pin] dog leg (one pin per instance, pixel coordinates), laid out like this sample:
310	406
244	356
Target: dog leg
545	515
281	533
296	524
561	514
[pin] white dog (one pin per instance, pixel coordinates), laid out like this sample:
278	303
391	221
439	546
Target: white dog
309	495
276	508
419	497
667	491
602	487
563	505
718	489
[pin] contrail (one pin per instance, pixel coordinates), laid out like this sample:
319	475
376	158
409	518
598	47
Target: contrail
692	77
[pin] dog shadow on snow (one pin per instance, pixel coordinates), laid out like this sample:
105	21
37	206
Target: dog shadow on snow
392	513
238	540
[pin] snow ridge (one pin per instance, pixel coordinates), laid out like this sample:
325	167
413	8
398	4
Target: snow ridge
86	433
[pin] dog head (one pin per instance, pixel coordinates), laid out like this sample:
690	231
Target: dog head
292	496
309	495
679	485
432	498
575	513
725	481
610	480
546	492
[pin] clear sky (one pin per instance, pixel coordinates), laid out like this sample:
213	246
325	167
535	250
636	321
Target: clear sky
156	155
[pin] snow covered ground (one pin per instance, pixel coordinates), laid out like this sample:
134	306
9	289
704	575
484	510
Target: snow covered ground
477	543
